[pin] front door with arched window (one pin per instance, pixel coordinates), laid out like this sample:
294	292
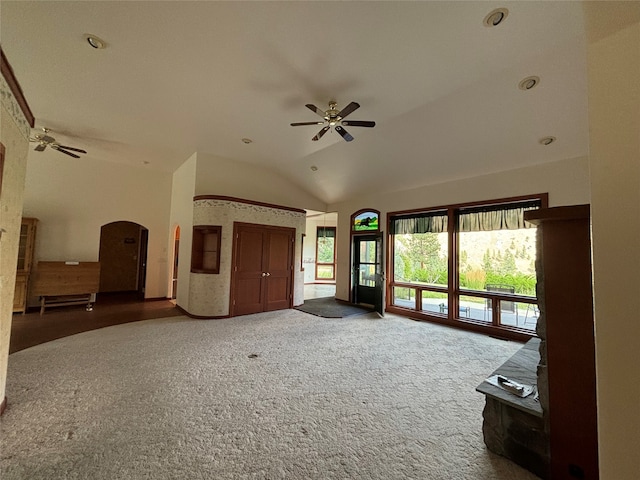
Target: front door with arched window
367	279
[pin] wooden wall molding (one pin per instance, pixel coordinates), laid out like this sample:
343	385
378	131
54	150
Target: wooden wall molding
3	405
16	90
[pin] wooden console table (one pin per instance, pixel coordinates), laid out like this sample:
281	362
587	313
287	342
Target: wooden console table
66	283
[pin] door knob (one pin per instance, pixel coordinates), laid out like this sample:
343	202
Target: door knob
268	274
264	274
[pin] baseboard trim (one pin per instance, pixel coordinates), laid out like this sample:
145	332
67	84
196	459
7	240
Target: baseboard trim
201	317
3	406
156	299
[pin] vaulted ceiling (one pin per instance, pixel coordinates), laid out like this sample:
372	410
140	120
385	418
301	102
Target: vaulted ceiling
178	77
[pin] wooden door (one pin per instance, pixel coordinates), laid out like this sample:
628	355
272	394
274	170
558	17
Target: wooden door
368	276
142	262
248	285
262	269
279	268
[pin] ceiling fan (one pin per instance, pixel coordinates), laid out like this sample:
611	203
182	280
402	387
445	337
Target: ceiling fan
335	118
44	141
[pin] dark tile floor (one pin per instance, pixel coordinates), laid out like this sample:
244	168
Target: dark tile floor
110	309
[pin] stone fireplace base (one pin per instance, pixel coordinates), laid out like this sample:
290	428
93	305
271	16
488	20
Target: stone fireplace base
514	427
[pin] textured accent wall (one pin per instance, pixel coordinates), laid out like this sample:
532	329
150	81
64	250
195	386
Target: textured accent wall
209	294
14	135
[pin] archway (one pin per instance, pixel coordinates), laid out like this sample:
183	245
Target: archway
176	249
123	257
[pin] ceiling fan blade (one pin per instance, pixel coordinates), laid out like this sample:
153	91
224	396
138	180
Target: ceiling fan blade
57	147
73	149
346	135
353	106
359	123
321	133
315	109
297	124
40	147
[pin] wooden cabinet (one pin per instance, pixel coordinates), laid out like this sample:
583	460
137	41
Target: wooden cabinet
20	295
26	248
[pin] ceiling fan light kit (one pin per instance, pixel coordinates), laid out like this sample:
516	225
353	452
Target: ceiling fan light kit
335	118
45	141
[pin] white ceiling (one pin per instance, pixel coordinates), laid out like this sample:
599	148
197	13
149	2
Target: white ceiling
179	77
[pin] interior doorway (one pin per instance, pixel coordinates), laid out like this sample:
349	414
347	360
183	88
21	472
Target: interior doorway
123	257
176	250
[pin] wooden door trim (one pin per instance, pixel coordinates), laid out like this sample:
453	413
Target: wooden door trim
1	165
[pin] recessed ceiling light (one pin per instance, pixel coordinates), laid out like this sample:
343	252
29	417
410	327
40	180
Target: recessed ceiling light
495	17
547	140
95	42
247	140
529	83
314	168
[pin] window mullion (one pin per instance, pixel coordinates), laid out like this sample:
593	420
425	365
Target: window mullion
452	283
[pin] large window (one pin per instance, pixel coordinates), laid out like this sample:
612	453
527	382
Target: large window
472	263
420	245
326	253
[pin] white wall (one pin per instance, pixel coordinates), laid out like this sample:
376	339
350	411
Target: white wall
73	198
567	183
614	124
219	176
181	214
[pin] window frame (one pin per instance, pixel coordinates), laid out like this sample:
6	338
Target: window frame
323	264
451	315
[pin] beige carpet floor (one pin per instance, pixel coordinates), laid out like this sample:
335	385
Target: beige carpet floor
281	395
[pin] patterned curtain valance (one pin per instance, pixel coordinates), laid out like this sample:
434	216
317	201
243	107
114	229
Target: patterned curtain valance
435	222
495	217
